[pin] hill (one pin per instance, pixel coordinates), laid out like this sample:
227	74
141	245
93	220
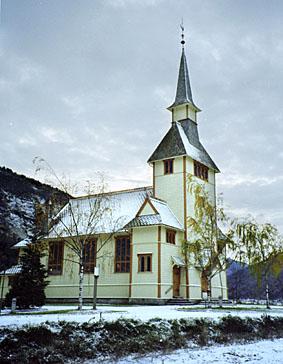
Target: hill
243	285
20	200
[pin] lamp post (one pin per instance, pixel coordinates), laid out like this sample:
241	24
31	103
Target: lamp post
95	276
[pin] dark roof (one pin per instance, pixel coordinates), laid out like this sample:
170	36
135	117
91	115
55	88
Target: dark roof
183	139
183	92
170	146
145	220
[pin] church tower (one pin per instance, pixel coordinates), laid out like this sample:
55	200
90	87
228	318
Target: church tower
180	153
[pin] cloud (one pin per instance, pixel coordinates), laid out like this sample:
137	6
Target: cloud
125	3
89	90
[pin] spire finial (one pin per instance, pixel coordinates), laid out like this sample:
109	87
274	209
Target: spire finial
182	33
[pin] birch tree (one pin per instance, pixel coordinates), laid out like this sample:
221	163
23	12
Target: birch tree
260	246
206	246
82	221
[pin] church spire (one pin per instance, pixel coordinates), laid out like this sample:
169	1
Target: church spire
184	91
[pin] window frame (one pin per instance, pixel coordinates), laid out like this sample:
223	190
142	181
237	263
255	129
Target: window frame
90	263
56	268
168	166
123	262
171	236
147	267
201	171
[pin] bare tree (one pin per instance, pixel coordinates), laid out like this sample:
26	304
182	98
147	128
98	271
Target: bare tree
85	224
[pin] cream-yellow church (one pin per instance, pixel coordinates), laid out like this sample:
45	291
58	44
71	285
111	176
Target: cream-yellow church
142	260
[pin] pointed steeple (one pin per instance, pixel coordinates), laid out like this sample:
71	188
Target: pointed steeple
184	92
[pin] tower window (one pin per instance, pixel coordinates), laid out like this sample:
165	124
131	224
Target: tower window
168	166
171	236
145	262
200	171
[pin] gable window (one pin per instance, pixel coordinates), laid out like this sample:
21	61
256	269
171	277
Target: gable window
55	259
200	171
89	256
168	166
122	254
171	236
145	262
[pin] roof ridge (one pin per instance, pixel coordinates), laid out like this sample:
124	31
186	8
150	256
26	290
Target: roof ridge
141	216
159	200
129	190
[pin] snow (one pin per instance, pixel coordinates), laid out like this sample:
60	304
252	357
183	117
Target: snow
144	313
115	210
262	352
21	214
15	269
163	215
22	244
167	216
191	151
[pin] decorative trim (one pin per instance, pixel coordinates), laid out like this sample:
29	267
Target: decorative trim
131	263
185	221
153	179
159	263
147	200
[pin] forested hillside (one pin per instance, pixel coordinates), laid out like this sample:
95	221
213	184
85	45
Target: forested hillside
20	199
242	284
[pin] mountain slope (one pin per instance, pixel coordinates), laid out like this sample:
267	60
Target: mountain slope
20	198
243	285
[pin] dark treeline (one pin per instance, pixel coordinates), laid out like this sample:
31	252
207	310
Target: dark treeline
242	284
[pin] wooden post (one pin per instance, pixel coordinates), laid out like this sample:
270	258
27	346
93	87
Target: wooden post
95	278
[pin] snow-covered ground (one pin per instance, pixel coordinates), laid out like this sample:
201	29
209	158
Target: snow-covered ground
261	352
137	312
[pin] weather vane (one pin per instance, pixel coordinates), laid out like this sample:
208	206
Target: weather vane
182	34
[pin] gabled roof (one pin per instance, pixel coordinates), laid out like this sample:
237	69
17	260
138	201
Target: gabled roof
170	146
183	139
162	215
116	210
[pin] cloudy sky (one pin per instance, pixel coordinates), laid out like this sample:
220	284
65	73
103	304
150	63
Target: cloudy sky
85	85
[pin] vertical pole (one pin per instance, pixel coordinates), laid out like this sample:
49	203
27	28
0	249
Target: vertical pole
159	262
2	289
94	292
267	294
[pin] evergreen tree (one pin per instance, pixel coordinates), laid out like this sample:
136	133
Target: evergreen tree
29	285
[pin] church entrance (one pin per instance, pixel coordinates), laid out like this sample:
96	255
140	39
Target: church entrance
176	281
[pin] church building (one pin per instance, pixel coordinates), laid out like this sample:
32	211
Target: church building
142	230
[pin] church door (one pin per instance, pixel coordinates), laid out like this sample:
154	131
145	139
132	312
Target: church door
176	281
